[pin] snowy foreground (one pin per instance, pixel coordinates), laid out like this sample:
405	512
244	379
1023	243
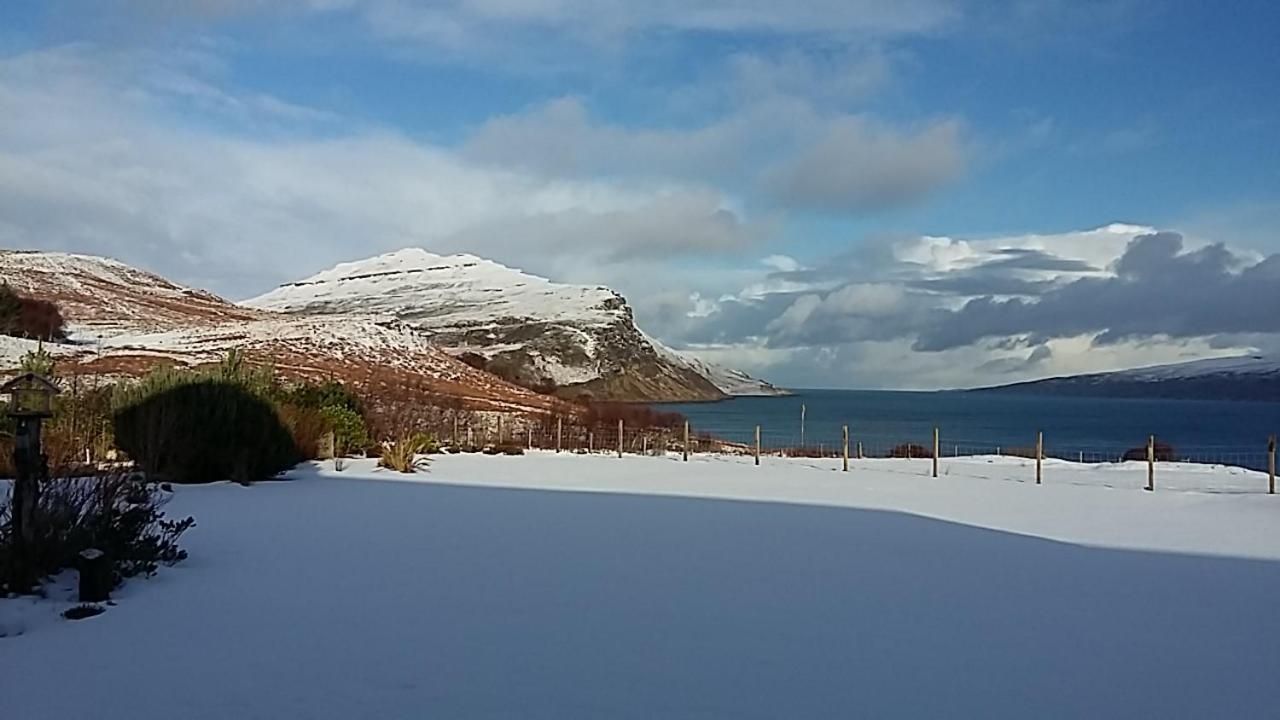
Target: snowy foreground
566	586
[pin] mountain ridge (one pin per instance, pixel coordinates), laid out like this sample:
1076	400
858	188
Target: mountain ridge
1239	377
577	339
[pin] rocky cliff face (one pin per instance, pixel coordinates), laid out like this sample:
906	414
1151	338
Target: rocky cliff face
576	338
123	321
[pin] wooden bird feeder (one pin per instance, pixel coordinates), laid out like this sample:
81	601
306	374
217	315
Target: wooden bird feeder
30	396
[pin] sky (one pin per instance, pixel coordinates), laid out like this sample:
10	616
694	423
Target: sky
904	194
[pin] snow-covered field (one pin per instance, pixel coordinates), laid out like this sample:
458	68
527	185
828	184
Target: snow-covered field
559	586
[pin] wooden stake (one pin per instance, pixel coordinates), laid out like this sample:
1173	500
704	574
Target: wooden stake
802	411
686	441
559	432
844	442
1151	462
591	441
1039	455
1271	465
860	455
757	445
935	451
619	437
455	431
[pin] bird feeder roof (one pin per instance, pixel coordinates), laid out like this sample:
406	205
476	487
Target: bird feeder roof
30	381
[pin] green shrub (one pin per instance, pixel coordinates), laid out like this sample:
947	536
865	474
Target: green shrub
347	426
205	431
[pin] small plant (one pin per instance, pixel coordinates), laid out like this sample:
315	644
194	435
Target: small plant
403	455
910	450
82	611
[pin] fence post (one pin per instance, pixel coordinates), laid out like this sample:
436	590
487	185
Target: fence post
455	431
1271	465
757	445
591	441
1039	455
1151	462
686	441
844	443
935	451
860	455
559	432
619	437
500	438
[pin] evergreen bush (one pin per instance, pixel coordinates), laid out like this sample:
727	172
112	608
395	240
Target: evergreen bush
204	431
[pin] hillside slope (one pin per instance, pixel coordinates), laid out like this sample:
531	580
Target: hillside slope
123	321
537	333
1246	377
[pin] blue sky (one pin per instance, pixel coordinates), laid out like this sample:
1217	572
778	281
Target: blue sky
779	188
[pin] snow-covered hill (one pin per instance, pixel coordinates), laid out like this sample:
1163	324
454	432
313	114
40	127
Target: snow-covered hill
535	332
1243	377
123	321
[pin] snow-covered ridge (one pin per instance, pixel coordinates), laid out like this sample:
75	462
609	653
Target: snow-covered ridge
527	327
1241	377
439	290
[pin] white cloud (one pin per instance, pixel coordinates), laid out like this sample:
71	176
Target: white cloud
99	160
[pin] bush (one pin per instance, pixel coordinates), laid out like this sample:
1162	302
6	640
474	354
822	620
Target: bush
403	454
1164	452
504	449
633	416
28	317
205	431
910	450
120	515
347	426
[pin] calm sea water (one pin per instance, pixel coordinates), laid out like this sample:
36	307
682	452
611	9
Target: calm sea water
971	423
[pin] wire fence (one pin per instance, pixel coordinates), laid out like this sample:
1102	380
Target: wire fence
555	434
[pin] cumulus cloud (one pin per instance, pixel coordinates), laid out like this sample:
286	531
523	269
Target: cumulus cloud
1157	289
858	164
99	161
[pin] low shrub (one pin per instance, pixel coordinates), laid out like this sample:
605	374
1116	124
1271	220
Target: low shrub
404	455
504	449
205	431
633	416
120	515
910	450
1164	452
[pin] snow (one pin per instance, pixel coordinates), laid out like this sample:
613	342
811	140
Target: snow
449	294
558	586
1233	365
441	291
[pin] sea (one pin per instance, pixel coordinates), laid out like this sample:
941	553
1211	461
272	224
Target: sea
980	423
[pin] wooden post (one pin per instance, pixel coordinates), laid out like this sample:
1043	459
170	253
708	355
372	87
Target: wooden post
935	451
619	437
1039	455
1151	462
757	445
95	576
802	412
860	455
591	441
686	441
500	439
644	444
455	431
844	442
1271	465
559	432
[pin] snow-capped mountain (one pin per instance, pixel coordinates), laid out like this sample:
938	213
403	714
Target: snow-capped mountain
1243	377
123	321
538	333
